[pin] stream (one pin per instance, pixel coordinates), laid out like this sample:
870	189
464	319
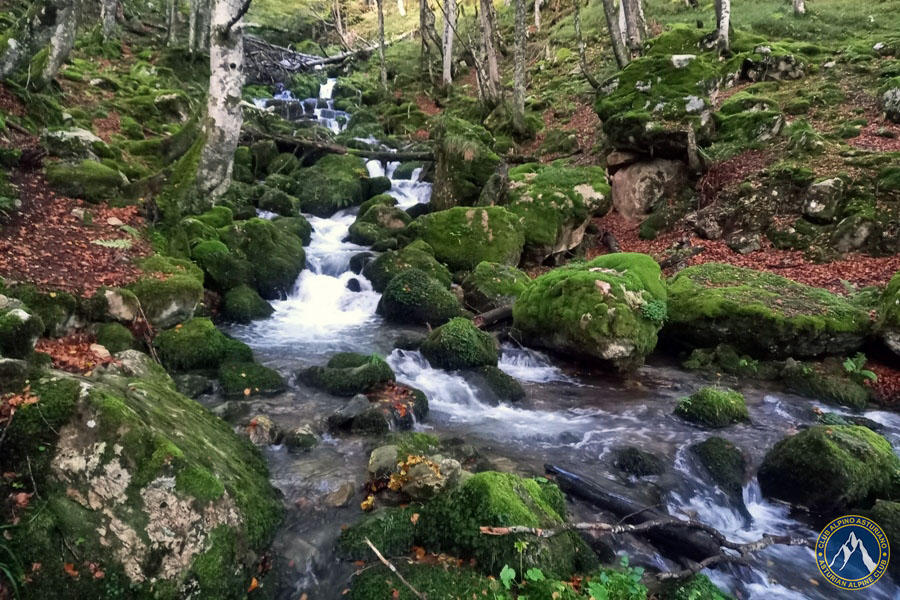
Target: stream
570	417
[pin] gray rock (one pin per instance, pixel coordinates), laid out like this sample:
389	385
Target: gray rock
383	461
122	305
637	188
134	363
341	496
744	243
343	417
263	431
890	103
192	385
301	439
823	200
12	374
852	233
423	483
680	61
73	143
7	303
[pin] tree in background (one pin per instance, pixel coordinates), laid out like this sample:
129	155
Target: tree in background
492	89
44	36
518	108
381	60
108	9
634	29
615	33
449	8
799	7
198	26
723	25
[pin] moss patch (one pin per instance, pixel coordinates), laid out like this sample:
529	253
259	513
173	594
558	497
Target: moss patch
458	344
713	407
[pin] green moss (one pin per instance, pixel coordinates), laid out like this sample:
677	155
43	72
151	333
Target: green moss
830	468
464	162
347	360
414	443
504	387
458	344
217	216
54	308
889	307
415	297
199	482
713	407
391	530
415	256
637	462
225	270
334	182
435	581
450	523
166	265
832	385
698	587
595	310
377	222
243	305
197	344
355	378
278	202
276	254
492	285
238	377
463	237
724	359
168	301
19	330
760	313
115	337
88	180
405	170
887	515
725	464
298	225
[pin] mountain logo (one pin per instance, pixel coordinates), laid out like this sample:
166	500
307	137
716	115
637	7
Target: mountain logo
852	552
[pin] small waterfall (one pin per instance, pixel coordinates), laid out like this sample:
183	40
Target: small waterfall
526	364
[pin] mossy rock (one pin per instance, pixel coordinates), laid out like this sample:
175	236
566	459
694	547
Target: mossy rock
247	379
725	464
725	359
556	202
608	310
334	182
19	331
887	515
276	254
391	530
405	170
378	222
297	225
713	407
169	301
217	216
504	387
115	337
417	255
278	202
414	297
888	325
88	180
349	374
243	305
197	344
434	581
464	161
224	270
164	511
637	462
458	344
56	309
283	164
462	237
830	469
492	285
760	313
450	523
828	383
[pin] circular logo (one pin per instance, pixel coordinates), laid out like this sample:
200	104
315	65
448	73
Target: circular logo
852	552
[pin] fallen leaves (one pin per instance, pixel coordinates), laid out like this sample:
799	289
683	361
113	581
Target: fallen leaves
368	504
70	570
74	353
254	584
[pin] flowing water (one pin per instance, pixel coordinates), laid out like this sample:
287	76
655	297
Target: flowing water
571	418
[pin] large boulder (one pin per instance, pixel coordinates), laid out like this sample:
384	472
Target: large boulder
19	331
760	313
349	374
889	315
56	309
556	203
74	143
89	180
458	344
464	162
638	188
243	305
126	470
171	291
275	253
415	297
492	285
890	99
197	344
608	310
462	237
378	222
246	379
334	182
830	469
417	255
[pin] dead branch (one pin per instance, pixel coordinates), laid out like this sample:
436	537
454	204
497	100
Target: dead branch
393	569
237	17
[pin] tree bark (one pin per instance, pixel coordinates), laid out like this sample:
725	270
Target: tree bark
449	8
723	24
171	12
615	36
338	21
537	15
489	45
381	59
108	10
519	71
32	34
582	54
224	117
401	8
799	7
61	43
633	27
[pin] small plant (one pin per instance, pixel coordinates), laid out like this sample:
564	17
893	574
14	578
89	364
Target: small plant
655	311
855	367
507	576
123	244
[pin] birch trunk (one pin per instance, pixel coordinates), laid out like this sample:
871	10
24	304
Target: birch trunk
724	25
108	10
171	6
582	54
632	27
193	13
447	46
519	71
799	7
381	59
61	43
31	34
615	34
488	41
222	127
401	8
338	21
204	25
623	29
537	15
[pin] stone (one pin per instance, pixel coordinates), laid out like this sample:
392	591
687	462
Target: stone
460	345
383	461
492	285
134	363
263	431
301	439
343	417
888	324
637	188
341	496
13	373
19	332
122	305
424	482
852	233
415	297
890	100
75	143
99	351
621	158
823	200
744	243
680	61
192	385
114	221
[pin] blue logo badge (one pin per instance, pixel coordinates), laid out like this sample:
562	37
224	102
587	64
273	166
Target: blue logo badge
852	552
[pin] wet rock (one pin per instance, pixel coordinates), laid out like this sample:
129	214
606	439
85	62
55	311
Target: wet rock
726	466
637	462
360	260
502	386
415	297
744	243
826	381
383	461
192	385
829	418
348	373
888	324
713	407
409	341
198	344
301	439
341	496
460	345
262	431
637	188
492	285
372	421
13	374
343	417
823	200
353	285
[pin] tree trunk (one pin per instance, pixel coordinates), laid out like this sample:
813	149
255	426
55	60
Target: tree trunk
623	28
537	15
193	14
799	7
171	13
31	34
633	27
108	10
723	14
488	41
449	8
381	59
582	54
204	25
338	21
222	127
401	8
618	45
519	71
61	43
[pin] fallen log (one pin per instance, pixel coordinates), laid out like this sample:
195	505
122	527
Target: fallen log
492	317
297	145
676	541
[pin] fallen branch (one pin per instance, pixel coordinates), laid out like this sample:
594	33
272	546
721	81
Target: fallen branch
492	317
680	257
393	569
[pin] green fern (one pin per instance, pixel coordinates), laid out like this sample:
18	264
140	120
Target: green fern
123	244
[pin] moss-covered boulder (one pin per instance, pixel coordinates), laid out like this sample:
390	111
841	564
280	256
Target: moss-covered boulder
224	270
19	332
246	379
830	469
89	180
334	182
827	381
415	297
713	407
887	515
556	203
450	523
462	237
276	254
464	161
503	387
123	466
458	344
171	291
608	310
417	255
377	223
298	225
56	309
278	202
392	530
760	313
492	285
637	462
726	466
243	305
889	315
434	581
197	344
115	337
348	374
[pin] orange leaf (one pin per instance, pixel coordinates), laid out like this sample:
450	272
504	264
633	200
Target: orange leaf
420	552
22	499
254	583
414	518
246	391
98	574
395	593
70	569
